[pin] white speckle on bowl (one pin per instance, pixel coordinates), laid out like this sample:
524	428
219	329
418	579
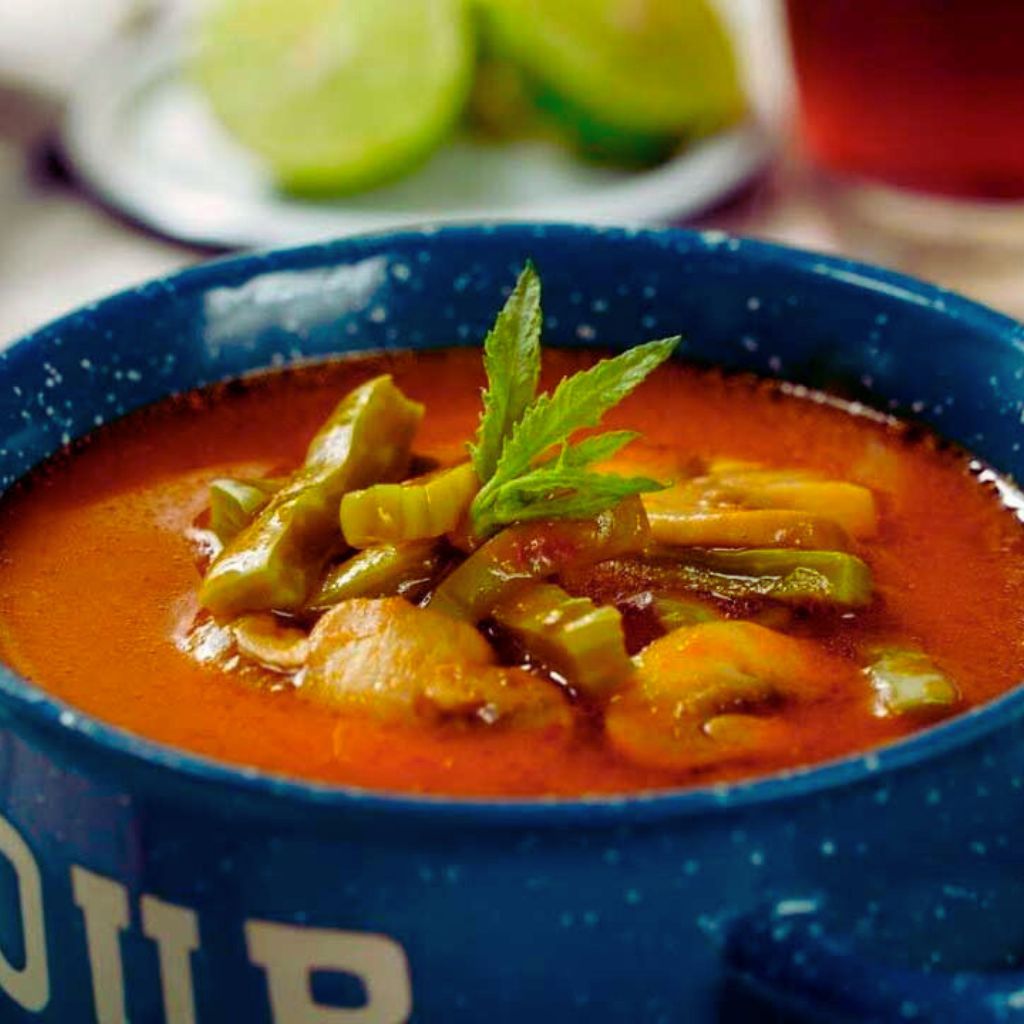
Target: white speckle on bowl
585	332
707	924
794	907
828	848
753	303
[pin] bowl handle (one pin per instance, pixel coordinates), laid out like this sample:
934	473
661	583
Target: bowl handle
787	958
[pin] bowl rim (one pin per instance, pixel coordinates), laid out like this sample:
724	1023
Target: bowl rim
66	726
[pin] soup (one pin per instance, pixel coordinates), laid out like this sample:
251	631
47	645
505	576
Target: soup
734	577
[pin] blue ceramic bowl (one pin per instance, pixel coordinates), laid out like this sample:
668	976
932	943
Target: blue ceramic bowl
139	883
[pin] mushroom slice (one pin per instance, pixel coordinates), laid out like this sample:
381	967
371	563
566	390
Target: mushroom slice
397	662
265	639
707	693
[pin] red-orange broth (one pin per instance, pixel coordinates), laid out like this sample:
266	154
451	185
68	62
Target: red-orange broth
98	575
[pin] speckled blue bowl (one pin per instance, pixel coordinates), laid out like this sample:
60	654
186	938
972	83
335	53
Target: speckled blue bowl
138	883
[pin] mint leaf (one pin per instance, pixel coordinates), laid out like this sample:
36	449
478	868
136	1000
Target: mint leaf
521	477
512	362
559	492
595	449
579	401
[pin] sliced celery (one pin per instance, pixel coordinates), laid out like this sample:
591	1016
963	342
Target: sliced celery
275	561
582	642
738	486
745	528
538	550
380	571
791	576
674	612
234	504
908	682
428	506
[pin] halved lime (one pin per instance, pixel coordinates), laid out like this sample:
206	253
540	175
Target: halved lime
336	95
508	103
644	68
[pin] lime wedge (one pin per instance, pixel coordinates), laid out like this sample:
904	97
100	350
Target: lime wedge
507	103
640	68
336	95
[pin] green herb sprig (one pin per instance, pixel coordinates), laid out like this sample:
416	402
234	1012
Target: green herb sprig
519	429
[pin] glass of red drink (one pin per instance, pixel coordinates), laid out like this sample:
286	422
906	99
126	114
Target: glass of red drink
921	94
914	111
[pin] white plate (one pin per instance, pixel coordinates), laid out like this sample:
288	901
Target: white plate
140	136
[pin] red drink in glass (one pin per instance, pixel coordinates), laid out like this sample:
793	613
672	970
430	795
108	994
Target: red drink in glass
921	94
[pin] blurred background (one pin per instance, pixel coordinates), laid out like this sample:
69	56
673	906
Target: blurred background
137	136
